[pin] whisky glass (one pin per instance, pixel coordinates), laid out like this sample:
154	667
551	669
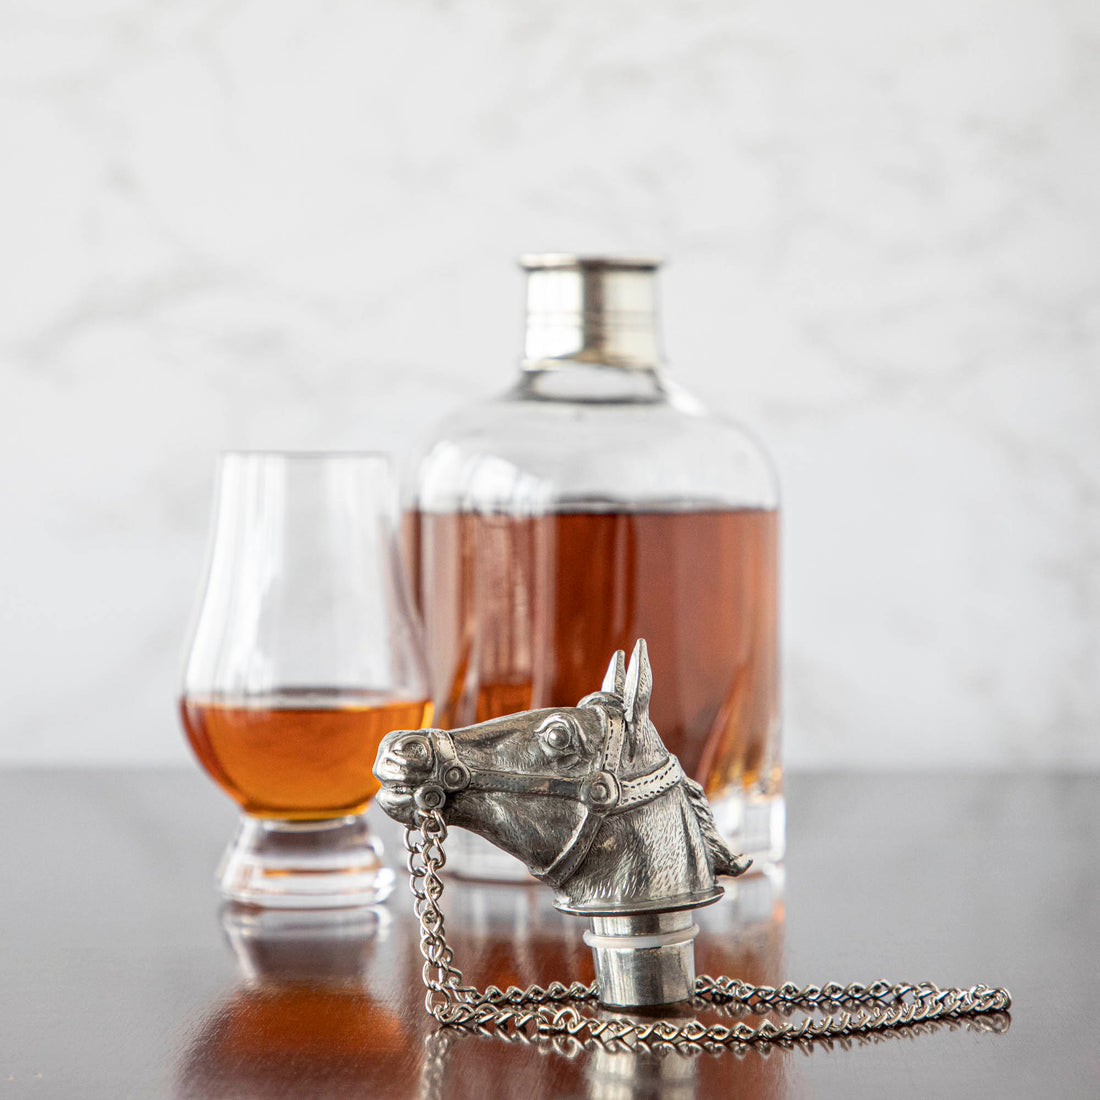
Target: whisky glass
306	650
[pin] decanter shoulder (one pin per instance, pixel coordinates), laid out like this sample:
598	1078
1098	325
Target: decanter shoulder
658	447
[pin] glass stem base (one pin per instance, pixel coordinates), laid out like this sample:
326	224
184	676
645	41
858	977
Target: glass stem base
750	822
753	824
304	864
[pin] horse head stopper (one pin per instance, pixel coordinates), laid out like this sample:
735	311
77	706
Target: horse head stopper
589	798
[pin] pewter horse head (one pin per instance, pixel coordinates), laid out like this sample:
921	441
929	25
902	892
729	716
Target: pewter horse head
588	797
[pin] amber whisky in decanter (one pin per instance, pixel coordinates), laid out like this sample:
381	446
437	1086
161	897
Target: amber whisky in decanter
592	503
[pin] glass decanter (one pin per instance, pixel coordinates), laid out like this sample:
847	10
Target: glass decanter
592	503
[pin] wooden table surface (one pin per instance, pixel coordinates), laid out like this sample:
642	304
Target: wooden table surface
123	976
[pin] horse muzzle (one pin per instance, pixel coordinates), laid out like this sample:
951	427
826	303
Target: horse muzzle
416	773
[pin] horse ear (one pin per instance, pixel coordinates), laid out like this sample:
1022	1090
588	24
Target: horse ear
639	685
614	680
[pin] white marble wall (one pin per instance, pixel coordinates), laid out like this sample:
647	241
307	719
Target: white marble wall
291	223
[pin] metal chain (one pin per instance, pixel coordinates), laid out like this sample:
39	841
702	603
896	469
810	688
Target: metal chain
539	1012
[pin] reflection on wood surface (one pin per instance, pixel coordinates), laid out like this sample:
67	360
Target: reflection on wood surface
503	936
302	1017
332	1004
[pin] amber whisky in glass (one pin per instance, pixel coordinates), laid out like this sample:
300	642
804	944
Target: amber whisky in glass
305	653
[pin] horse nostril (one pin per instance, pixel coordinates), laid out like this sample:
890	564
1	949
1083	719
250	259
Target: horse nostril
414	749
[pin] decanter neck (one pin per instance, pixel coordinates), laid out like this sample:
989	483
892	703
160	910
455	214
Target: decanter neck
595	311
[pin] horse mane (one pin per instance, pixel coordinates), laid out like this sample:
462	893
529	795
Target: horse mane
725	862
626	692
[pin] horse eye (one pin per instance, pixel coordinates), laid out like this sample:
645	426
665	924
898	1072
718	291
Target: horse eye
559	737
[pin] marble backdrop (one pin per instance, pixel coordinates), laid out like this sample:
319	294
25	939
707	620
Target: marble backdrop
292	224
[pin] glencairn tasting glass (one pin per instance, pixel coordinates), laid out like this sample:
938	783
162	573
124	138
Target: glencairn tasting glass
592	503
306	651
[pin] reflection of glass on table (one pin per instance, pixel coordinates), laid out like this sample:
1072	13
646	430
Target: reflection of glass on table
301	1021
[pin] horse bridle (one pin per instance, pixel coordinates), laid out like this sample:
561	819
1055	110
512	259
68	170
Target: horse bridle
601	792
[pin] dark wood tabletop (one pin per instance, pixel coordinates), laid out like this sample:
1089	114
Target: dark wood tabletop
122	975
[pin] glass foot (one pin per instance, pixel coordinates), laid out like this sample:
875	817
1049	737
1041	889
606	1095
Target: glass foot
754	824
304	864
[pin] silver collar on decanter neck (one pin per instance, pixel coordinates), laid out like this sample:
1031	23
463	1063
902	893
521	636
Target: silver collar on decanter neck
597	311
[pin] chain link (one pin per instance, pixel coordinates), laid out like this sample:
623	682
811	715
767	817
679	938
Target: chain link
548	1012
